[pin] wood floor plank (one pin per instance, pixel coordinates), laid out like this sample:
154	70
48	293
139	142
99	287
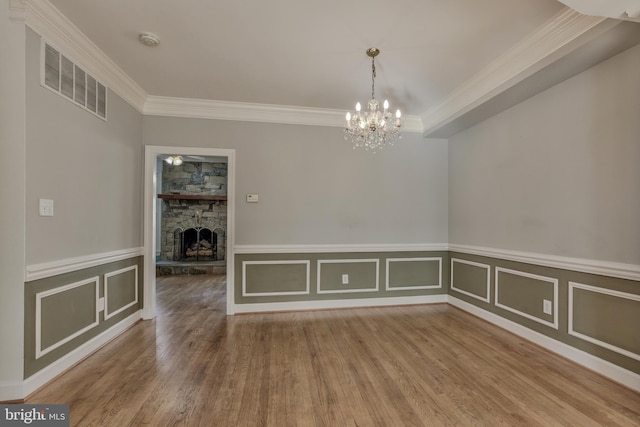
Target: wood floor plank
402	366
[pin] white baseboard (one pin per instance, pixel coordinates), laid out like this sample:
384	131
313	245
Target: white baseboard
343	303
608	369
72	358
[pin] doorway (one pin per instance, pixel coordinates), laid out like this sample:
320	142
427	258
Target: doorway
152	153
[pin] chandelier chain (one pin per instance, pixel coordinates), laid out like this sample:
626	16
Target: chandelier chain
373	77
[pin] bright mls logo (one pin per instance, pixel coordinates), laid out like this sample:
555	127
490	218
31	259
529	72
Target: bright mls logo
34	415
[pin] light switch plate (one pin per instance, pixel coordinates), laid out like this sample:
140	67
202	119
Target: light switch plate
252	198
46	207
546	307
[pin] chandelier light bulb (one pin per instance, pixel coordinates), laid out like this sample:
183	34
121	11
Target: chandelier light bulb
348	117
398	114
386	105
358	107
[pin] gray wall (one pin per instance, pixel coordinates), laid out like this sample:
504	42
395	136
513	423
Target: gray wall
92	169
12	187
557	174
315	189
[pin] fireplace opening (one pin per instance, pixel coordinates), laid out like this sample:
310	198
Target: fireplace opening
195	244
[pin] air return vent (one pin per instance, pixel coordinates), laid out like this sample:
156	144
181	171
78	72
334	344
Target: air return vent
64	77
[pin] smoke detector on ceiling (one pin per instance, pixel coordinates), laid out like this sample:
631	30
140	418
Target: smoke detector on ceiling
149	39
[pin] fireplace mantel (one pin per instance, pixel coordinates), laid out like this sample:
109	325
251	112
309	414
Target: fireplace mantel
190	197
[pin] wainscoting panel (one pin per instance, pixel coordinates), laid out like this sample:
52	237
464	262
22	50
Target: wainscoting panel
605	317
362	276
62	312
120	290
471	278
275	278
413	273
592	313
524	294
75	303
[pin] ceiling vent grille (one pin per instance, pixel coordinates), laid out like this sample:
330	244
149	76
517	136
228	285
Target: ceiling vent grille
64	77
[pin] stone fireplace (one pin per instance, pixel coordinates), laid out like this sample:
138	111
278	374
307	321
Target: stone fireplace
193	220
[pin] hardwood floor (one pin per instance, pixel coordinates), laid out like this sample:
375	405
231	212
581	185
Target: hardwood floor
398	366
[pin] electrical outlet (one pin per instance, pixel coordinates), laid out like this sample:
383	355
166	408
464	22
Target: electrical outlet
101	304
345	279
546	307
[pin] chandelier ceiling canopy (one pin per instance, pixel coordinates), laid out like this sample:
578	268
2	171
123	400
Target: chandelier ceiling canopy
373	129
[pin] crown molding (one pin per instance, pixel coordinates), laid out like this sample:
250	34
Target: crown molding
563	33
51	24
247	112
628	10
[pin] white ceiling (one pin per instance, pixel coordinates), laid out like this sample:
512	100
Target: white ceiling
310	53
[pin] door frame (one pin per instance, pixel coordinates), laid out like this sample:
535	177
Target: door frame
150	196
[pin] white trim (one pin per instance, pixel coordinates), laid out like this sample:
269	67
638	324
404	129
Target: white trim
376	261
248	112
150	197
343	303
41	295
619	9
108	314
408	288
560	35
614	372
75	356
51	24
68	265
471	294
551	280
276	262
604	268
624	295
381	247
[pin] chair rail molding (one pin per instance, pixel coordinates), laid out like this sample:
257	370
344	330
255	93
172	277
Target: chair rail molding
67	265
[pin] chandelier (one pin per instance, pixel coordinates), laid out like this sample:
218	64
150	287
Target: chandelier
373	129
